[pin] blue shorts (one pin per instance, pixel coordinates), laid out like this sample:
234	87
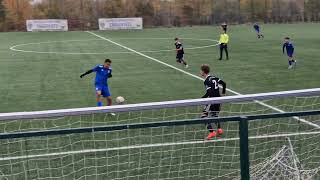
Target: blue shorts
290	55
257	30
104	90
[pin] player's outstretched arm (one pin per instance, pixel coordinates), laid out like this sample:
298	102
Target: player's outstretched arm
86	73
284	45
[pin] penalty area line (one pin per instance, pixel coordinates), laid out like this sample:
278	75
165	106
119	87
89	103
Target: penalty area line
88	151
197	77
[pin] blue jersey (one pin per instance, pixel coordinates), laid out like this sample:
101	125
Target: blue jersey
289	48
256	27
102	74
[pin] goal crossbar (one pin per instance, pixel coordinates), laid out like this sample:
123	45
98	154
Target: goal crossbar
157	105
153	124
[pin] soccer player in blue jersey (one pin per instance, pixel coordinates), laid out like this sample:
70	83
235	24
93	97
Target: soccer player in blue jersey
257	29
103	73
288	46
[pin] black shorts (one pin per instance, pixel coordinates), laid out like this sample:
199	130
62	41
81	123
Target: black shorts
180	57
223	45
211	110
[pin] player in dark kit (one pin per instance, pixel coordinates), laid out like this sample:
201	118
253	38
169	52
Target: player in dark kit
180	52
256	27
290	50
211	84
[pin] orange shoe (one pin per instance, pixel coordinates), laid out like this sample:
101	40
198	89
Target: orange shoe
211	135
220	131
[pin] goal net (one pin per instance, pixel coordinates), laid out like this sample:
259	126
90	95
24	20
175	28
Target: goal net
166	140
283	164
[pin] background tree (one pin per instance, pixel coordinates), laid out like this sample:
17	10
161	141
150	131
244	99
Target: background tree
187	12
145	10
17	12
2	16
84	14
2	11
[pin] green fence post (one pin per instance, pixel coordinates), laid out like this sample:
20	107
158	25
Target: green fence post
244	148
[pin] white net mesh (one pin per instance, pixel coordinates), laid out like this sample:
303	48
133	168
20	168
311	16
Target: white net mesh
283	164
166	152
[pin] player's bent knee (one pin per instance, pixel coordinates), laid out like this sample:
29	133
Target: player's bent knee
98	93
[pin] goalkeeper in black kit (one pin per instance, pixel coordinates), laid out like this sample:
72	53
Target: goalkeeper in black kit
212	90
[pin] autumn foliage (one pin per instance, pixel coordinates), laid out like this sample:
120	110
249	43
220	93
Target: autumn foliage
83	14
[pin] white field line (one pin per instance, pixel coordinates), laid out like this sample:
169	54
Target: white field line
15	47
150	146
197	77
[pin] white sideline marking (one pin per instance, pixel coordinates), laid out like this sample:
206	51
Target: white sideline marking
149	146
197	77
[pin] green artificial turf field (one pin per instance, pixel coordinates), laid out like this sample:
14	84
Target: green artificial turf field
40	71
32	81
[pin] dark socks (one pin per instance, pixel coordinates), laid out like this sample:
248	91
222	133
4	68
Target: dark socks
210	128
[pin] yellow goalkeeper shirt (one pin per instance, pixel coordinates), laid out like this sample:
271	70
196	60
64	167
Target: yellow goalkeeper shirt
224	38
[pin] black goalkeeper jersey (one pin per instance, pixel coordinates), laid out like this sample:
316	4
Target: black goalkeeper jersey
178	46
211	84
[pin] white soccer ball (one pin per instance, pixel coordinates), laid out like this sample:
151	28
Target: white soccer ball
120	100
